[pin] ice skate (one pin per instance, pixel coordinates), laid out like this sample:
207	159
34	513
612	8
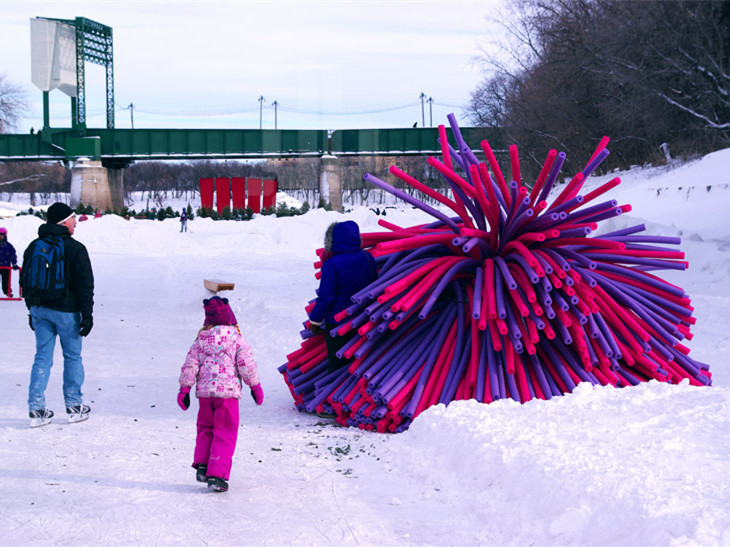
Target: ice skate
78	413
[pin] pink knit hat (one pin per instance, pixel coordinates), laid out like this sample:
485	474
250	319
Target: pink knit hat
218	312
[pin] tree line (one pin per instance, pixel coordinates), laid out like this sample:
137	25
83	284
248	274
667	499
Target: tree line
158	180
653	75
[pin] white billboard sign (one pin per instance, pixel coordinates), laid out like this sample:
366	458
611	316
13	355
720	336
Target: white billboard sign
53	55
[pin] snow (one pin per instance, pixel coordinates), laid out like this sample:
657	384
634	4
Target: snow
646	465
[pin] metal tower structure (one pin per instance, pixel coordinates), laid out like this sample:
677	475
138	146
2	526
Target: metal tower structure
94	43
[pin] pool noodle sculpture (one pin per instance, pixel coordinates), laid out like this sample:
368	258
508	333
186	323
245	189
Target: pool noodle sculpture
510	297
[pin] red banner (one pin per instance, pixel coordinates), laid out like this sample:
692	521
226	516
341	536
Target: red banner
206	193
254	195
238	189
270	187
222	193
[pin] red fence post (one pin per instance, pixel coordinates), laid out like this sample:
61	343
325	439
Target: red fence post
238	189
269	199
254	194
10	285
206	193
223	193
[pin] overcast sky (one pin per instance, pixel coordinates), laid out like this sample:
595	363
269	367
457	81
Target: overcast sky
328	64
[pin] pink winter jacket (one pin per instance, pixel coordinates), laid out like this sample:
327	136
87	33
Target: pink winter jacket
217	361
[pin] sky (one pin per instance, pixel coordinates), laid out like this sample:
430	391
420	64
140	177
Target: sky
326	64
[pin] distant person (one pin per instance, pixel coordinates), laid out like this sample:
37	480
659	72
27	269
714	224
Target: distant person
218	360
346	269
62	308
183	221
97	214
8	259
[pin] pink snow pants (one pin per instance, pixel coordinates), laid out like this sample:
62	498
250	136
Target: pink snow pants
217	434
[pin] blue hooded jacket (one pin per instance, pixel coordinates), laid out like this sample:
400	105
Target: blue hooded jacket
7	255
349	270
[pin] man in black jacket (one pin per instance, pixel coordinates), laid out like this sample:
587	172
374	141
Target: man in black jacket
68	316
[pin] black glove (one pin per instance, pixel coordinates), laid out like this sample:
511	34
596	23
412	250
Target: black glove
86	324
15	267
316	329
30	322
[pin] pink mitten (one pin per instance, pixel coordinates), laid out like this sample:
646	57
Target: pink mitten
183	398
258	394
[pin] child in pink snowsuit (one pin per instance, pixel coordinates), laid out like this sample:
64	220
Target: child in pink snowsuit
217	361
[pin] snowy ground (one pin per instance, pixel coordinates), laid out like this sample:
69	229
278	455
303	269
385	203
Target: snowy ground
641	466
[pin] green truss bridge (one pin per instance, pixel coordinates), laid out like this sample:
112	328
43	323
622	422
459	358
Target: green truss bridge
118	148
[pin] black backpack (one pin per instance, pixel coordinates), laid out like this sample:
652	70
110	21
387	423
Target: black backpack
43	276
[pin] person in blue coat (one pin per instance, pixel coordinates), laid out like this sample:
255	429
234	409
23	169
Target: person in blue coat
8	259
346	269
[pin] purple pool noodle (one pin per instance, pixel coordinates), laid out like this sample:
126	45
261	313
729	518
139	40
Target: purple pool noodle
552	177
570	358
398	381
543	222
409	354
517	224
325	391
581	258
594	163
455	373
569	204
376	288
514	330
413	201
543	263
607	335
651	302
441	285
540	375
443	326
462	337
665	240
627	272
501	386
522	261
625	231
506	275
499	294
476	213
655	263
344	389
480	388
579	214
558	259
514	392
477	297
621	296
603	216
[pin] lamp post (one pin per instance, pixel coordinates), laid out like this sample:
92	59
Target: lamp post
276	104
430	111
423	112
131	113
261	112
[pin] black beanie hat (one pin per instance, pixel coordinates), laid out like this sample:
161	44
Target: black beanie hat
58	212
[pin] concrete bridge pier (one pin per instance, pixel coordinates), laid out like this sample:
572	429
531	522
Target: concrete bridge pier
330	185
95	185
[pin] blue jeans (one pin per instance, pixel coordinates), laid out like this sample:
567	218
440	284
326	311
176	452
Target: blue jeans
48	324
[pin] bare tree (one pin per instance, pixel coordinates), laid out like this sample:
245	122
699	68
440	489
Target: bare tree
14	104
645	73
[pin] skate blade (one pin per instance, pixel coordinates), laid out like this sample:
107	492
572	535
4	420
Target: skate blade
76	418
39	422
